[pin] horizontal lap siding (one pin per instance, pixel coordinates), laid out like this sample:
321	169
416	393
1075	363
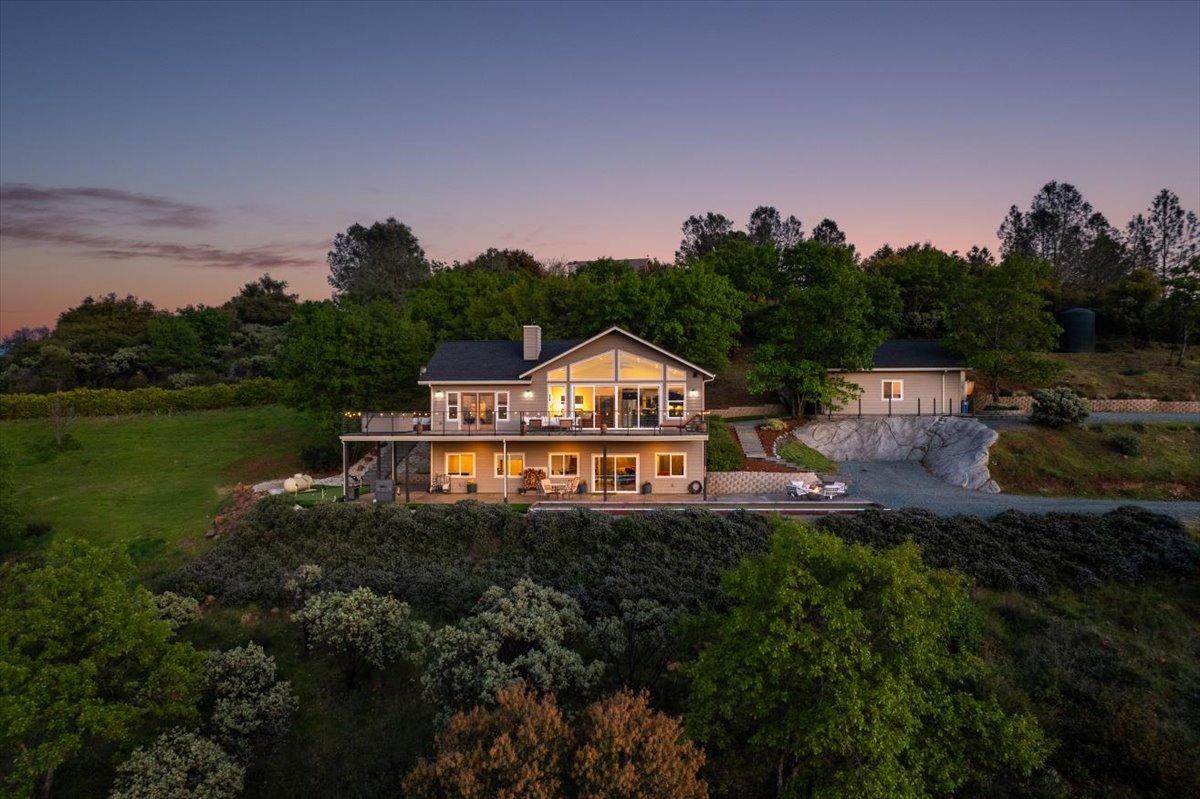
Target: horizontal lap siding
924	385
537	455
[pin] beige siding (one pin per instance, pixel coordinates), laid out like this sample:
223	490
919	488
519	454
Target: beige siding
537	455
945	387
538	402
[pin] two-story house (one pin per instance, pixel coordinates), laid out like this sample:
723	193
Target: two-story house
609	414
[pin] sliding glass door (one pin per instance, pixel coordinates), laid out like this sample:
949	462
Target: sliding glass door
617	472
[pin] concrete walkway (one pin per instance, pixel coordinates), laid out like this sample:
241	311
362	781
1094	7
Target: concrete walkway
904	484
747	436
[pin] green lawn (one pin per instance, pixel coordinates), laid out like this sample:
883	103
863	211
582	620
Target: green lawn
1085	462
805	457
156	480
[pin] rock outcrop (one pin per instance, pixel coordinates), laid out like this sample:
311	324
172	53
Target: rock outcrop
953	449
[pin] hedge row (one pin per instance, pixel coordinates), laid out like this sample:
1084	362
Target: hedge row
114	402
441	558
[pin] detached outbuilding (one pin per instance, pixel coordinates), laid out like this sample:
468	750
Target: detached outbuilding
910	376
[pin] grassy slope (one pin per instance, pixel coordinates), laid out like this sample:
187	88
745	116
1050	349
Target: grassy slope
805	457
1081	462
1103	374
159	478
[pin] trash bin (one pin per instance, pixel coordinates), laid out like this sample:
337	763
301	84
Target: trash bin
384	490
966	407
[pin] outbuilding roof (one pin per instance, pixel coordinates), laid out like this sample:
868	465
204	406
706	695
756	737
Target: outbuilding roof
914	353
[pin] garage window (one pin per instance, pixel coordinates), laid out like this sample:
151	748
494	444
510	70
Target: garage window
893	390
670	464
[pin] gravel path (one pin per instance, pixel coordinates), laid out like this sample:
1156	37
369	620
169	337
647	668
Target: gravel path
900	484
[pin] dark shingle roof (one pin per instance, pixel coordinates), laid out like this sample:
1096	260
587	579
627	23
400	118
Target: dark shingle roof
488	360
915	353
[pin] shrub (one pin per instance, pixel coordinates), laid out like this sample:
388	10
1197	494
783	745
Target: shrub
440	558
776	425
525	747
513	635
303	583
1126	444
885	656
1034	553
1058	407
321	457
115	402
176	610
179	765
362	629
247	703
724	452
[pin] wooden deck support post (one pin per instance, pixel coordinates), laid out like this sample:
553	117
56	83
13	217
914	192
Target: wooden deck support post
504	469
604	470
410	449
345	472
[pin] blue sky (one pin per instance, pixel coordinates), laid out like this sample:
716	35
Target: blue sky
571	130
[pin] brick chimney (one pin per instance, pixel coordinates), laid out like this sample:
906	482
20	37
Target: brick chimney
533	342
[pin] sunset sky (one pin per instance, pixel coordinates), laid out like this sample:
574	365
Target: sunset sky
177	151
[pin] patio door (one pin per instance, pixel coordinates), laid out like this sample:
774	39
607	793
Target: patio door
629	406
478	408
619	474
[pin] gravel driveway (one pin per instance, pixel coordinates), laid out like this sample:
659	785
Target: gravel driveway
902	484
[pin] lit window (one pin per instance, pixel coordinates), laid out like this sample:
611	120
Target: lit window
502	405
557	399
635	367
564	464
674	402
557	374
675	374
893	390
516	464
597	368
671	464
460	464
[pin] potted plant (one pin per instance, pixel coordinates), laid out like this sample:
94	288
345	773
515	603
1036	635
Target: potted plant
472	488
647	488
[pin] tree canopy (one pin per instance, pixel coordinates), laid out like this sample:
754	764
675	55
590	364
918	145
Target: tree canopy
844	671
84	658
383	261
341	358
830	316
999	321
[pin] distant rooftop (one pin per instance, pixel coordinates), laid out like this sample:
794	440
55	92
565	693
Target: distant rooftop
637	263
914	353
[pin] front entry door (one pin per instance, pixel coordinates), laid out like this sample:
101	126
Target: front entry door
619	473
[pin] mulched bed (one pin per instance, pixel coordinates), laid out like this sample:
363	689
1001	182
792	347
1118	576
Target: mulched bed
755	465
769	437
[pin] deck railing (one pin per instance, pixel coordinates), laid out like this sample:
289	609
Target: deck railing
517	423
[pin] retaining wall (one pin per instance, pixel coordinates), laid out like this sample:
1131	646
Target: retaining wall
755	482
1025	405
750	410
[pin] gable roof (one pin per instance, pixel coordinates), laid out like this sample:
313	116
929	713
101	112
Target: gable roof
914	353
624	332
504	361
486	361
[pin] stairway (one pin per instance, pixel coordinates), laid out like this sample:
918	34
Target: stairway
381	469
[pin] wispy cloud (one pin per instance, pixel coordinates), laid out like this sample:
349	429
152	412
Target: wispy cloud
103	222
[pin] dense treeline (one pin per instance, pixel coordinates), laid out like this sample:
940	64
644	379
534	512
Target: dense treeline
807	303
713	616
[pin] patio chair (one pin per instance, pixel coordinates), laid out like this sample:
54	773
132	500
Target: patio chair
535	423
550	489
565	423
441	484
571	488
